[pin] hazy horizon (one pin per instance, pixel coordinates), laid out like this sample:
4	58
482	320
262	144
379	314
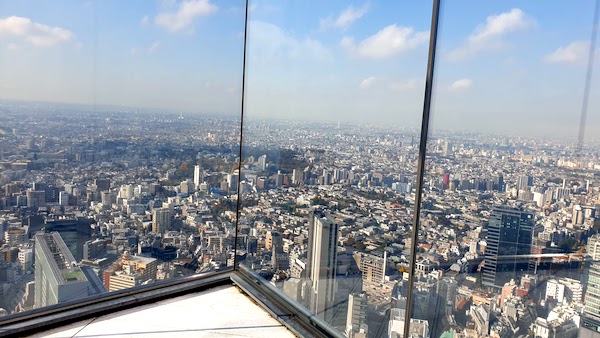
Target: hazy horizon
510	67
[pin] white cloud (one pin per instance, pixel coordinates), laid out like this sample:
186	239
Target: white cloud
368	82
461	84
488	36
346	18
390	41
147	50
186	13
257	7
269	42
406	85
153	47
37	34
575	52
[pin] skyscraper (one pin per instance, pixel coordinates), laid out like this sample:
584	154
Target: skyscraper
509	237
590	321
321	265
197	176
161	220
36	199
74	232
63	198
524	182
262	162
102	184
57	276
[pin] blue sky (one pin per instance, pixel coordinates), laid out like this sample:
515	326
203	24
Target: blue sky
509	66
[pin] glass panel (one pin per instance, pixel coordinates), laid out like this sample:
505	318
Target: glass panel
119	139
509	198
334	98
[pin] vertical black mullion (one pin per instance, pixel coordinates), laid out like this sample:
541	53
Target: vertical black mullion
239	196
421	163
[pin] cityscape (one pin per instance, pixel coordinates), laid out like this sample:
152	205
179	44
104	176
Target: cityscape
97	200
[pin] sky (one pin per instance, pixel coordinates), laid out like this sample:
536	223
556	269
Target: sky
506	66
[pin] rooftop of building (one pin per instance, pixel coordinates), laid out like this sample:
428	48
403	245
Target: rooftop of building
61	260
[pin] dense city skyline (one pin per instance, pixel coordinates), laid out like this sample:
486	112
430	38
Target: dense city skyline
132	199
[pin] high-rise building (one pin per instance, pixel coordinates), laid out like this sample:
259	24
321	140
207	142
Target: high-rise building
25	258
481	319
197	176
297	176
63	198
16	236
524	182
279	259
509	238
126	191
578	215
102	184
262	162
36	199
161	220
94	249
321	264
57	276
356	319
187	187
107	198
555	290
590	321
446	181
74	232
273	238
372	268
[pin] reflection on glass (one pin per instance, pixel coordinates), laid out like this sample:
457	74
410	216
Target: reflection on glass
119	139
510	201
119	159
333	98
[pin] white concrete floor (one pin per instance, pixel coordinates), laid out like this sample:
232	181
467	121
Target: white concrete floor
219	312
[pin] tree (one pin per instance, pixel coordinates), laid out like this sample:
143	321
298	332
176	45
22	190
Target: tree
360	246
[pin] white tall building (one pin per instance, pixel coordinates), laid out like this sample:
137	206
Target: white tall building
197	176
63	198
262	162
321	265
